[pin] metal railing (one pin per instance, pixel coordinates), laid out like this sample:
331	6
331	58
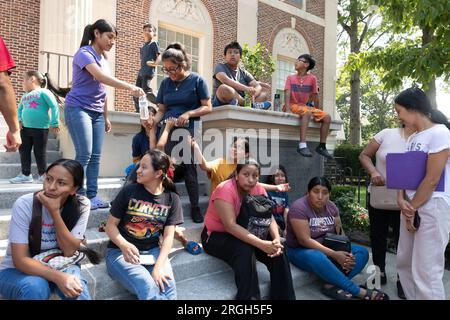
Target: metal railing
59	58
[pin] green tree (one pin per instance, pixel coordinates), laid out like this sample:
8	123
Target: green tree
258	61
356	18
421	49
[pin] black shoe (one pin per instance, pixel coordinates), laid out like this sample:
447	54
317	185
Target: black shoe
304	152
323	152
196	215
383	278
400	292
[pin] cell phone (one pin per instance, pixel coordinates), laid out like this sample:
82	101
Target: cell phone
147	259
416	222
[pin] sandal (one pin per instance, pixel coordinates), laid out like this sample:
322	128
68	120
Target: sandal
336	293
193	248
374	294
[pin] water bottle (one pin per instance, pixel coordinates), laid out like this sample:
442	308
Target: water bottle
247	100
143	108
276	102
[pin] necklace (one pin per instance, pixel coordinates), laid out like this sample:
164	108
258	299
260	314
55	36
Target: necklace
178	83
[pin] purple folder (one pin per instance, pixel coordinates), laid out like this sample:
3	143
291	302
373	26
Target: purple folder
406	170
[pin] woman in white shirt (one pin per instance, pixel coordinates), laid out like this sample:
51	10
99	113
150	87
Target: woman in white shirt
420	255
383	208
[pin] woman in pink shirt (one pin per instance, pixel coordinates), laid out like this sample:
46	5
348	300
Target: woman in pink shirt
223	238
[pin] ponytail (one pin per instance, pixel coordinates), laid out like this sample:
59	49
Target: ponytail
88	36
438	117
41	78
101	25
56	90
168	184
161	161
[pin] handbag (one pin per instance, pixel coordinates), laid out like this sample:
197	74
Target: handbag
337	242
256	215
55	259
383	198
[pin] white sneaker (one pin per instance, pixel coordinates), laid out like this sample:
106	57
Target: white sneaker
21	178
40	179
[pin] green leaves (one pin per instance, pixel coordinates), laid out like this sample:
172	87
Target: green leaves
258	61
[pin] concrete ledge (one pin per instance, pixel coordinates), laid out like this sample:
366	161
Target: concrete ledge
231	117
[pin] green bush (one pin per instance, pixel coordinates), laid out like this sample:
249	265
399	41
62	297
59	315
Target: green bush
353	215
350	153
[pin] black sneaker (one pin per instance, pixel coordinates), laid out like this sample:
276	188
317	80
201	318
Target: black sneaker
323	152
196	215
304	152
400	292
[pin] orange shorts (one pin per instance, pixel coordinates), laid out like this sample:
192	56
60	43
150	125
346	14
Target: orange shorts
301	109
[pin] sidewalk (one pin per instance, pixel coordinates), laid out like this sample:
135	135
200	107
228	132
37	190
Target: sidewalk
312	291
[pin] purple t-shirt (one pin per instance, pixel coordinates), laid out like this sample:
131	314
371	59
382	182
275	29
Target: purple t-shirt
87	92
319	223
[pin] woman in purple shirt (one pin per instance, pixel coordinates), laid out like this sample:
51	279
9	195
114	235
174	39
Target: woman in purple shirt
309	219
85	109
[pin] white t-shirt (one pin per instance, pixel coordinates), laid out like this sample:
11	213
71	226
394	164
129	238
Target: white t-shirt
20	225
391	141
432	140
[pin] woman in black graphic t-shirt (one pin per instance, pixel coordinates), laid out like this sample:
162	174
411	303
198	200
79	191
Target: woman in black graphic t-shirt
140	214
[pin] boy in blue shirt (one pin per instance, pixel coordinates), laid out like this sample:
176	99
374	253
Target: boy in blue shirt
149	58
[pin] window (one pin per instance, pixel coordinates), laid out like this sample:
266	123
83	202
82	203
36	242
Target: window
285	67
301	4
191	44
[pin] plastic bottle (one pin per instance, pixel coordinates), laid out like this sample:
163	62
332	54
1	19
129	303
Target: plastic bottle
276	102
143	108
247	100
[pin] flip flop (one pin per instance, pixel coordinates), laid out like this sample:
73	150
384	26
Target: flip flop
190	247
336	293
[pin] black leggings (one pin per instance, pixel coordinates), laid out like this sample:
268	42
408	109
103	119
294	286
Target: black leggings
36	139
242	259
380	220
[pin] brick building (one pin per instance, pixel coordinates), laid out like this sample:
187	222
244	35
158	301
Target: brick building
44	35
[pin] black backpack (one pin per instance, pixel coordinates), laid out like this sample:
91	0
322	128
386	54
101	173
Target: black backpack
256	215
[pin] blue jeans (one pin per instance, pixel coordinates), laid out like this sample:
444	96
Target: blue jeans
137	278
315	261
16	285
87	130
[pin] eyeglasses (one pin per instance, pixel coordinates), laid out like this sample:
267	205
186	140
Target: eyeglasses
171	70
301	60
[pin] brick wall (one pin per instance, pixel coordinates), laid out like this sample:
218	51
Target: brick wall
131	14
19	27
272	20
316	7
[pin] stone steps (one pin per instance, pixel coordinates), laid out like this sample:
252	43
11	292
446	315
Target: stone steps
200	277
52	144
14	157
107	190
99	215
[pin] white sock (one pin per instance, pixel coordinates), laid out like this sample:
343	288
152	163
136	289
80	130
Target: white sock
302	145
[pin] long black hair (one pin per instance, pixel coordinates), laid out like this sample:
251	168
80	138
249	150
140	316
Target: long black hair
415	99
71	211
161	161
101	25
319	181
